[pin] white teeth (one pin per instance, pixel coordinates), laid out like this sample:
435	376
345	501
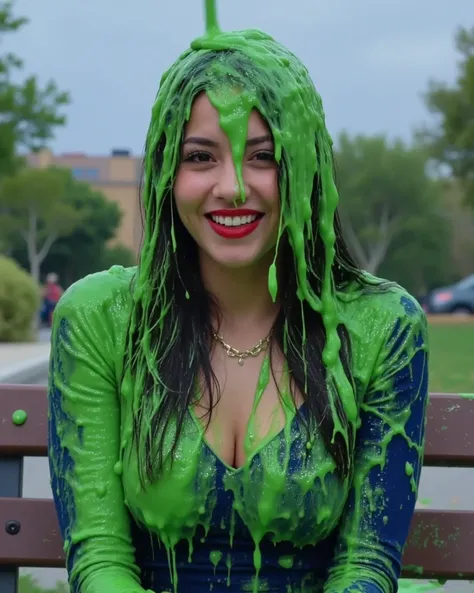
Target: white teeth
234	220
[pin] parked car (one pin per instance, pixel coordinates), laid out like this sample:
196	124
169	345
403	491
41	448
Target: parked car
457	298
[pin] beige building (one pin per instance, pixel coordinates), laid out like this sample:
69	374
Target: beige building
116	176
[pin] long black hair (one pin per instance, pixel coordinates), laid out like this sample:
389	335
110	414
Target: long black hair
180	337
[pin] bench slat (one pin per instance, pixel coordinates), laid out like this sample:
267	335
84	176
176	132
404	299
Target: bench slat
39	542
449	433
31	438
440	543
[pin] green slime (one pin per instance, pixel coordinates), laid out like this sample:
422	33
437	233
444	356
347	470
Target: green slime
19	417
95	426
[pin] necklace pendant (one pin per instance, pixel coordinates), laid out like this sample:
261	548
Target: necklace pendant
241	361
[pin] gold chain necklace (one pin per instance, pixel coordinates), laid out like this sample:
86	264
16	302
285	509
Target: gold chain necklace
241	355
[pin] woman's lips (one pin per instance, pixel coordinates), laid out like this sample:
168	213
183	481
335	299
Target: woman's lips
234	224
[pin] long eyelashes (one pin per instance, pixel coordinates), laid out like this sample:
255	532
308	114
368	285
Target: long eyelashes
199	156
265	155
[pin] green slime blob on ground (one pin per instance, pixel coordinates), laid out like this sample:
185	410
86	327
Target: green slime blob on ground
95	426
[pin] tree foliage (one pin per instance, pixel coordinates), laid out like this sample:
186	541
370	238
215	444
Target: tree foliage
36	206
29	112
86	249
451	141
19	302
420	259
386	199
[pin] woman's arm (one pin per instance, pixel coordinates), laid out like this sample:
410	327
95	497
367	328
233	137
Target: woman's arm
84	437
388	462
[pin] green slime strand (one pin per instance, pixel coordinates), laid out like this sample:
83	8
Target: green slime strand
240	72
212	25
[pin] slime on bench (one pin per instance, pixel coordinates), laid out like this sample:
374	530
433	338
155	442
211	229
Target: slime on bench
19	417
91	322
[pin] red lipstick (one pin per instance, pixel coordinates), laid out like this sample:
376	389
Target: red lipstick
234	232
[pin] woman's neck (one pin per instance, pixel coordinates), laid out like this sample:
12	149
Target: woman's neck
245	304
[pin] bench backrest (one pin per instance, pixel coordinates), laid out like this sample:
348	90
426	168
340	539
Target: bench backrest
440	545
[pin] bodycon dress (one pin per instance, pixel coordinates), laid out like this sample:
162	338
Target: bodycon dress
282	522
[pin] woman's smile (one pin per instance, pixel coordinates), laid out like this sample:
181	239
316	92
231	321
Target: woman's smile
234	224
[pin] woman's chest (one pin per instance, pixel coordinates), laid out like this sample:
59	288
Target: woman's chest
251	406
287	490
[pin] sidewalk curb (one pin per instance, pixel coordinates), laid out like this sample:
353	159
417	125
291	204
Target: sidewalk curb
26	372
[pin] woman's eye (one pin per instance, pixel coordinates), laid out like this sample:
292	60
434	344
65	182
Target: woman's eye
264	155
198	157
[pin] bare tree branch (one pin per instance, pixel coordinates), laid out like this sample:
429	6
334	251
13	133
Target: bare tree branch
43	252
371	256
355	244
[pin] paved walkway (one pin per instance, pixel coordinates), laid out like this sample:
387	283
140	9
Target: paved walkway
22	363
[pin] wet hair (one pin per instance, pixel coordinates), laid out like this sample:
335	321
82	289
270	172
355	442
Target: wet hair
170	332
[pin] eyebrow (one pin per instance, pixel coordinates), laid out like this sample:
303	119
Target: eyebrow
213	144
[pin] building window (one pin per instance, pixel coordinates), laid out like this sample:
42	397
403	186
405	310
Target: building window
85	174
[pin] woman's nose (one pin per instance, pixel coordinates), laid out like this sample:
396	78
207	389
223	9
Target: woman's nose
227	186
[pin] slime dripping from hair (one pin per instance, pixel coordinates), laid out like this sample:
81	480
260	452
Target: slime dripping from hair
303	150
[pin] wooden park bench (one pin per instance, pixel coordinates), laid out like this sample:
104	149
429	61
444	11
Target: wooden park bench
441	543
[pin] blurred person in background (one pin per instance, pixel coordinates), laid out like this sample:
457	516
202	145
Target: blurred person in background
52	292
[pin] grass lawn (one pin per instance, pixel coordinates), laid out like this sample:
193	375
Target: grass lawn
451	357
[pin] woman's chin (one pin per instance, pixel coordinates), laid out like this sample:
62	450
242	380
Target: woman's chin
236	258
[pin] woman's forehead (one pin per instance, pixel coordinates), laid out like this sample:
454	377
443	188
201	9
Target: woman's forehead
205	121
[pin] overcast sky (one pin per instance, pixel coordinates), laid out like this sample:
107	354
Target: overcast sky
370	59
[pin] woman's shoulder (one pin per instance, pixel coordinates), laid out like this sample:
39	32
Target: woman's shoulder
103	293
380	305
385	323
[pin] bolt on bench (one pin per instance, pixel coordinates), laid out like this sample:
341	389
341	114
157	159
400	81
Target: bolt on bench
440	546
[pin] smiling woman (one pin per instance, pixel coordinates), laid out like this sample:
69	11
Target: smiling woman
244	411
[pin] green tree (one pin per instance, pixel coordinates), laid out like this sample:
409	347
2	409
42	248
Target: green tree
451	141
421	260
387	196
36	209
116	255
19	302
461	218
85	250
29	112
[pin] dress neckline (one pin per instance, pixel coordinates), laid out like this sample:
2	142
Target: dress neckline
289	411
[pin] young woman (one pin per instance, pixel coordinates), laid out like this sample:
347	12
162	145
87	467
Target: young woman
244	411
